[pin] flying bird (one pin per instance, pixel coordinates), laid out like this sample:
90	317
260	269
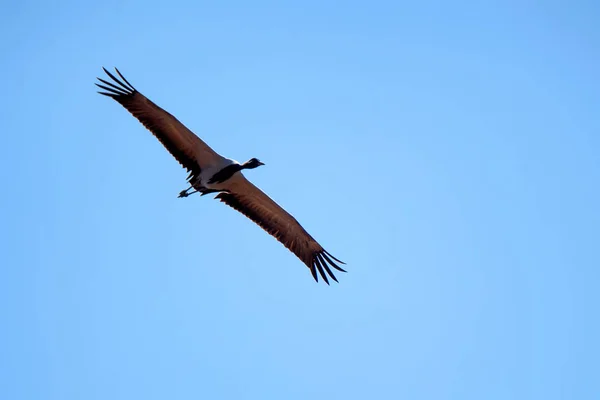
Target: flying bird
209	172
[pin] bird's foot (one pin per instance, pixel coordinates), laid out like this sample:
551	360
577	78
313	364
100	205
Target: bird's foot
186	192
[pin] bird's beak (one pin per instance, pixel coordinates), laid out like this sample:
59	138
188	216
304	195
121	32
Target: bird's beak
261	163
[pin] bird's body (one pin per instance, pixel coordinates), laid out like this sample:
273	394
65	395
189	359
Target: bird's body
209	172
205	180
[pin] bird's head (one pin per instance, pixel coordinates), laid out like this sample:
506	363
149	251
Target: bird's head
252	163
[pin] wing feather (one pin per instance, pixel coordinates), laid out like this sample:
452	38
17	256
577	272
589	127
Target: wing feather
249	200
187	148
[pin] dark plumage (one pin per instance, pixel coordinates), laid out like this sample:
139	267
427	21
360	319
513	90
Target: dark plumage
210	172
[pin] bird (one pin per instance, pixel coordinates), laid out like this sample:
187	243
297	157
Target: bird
209	172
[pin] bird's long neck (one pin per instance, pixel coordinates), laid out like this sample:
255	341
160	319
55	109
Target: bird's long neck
226	173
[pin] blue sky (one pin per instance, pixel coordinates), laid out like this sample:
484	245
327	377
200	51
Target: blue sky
447	151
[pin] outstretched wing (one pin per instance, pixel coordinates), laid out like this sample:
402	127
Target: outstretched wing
246	198
191	152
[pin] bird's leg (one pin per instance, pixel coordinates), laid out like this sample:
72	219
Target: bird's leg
184	193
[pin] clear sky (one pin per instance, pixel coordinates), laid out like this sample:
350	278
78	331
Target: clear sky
447	151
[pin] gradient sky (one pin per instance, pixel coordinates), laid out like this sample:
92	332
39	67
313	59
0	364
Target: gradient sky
447	151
